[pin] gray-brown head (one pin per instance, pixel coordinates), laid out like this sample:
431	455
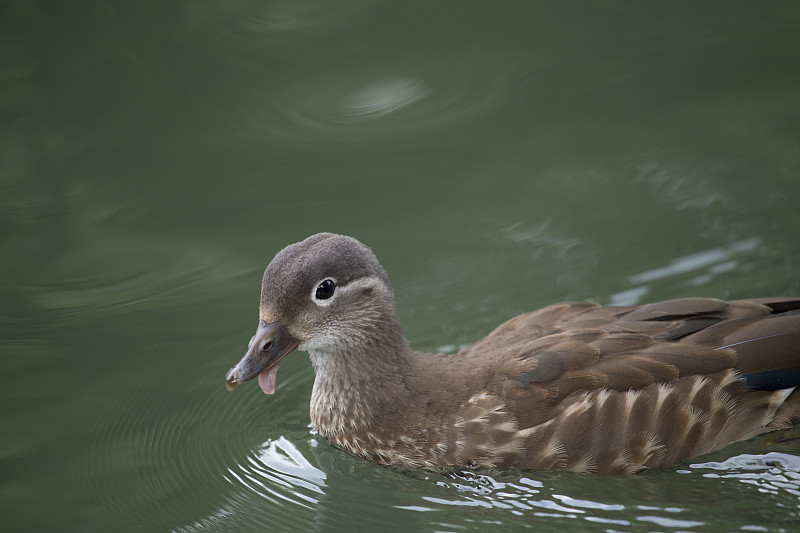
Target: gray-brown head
327	295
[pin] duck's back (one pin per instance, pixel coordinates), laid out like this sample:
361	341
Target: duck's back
618	389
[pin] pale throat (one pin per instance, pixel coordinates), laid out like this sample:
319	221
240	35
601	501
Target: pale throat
350	390
338	403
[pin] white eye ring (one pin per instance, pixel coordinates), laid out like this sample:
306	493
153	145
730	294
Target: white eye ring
324	292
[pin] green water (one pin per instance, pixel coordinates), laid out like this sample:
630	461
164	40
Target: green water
497	156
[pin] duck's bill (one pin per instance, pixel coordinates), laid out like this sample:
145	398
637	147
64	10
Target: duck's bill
269	345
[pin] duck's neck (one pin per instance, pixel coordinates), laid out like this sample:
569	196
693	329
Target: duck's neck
355	387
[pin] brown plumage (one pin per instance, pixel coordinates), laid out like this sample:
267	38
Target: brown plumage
573	386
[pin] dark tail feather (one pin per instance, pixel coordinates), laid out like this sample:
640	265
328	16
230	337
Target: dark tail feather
784	378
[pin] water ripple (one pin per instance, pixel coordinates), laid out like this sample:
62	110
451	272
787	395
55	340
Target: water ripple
381	97
699	268
657	499
204	437
772	472
123	277
279	464
268	489
363	105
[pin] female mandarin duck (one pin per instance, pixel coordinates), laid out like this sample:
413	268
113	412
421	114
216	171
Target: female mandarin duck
573	386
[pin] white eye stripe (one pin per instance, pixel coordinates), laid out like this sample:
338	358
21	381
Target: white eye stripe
362	283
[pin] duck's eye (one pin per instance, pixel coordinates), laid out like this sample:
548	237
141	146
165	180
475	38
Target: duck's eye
325	290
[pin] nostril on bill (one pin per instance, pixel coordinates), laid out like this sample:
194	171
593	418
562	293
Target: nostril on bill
266	346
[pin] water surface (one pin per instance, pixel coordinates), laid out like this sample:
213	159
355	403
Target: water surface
497	157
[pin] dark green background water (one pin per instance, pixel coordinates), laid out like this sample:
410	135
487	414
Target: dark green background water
497	156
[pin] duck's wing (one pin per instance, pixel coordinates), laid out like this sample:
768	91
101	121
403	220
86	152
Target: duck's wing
576	346
617	389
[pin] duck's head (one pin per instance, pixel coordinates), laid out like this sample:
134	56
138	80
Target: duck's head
327	295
